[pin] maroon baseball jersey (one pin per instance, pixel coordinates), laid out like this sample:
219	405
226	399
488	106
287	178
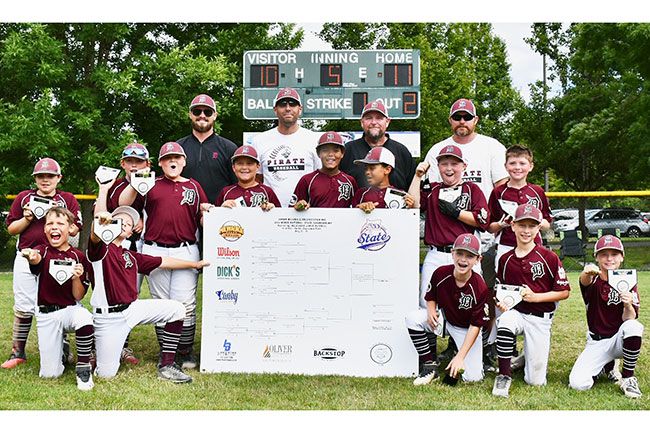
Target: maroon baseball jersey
370	193
253	196
173	211
322	190
541	270
116	271
34	234
528	194
441	230
50	292
462	306
604	307
113	199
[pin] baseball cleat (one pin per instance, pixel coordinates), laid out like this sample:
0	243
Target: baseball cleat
612	375
173	374
128	356
630	387
84	379
518	362
15	359
501	386
428	374
187	360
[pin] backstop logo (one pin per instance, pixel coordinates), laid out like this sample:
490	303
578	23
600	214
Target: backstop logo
329	353
373	236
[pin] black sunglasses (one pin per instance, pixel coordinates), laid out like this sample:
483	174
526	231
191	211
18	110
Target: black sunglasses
207	111
285	102
467	117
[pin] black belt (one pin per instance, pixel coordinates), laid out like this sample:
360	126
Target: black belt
49	308
598	337
444	249
542	315
181	244
114	309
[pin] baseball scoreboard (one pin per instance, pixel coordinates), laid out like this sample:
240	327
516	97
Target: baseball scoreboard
333	84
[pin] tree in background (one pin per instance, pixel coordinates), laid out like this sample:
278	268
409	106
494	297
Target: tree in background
457	60
80	92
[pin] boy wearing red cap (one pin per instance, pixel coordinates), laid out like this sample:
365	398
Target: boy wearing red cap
379	163
173	213
328	186
539	273
245	164
26	219
462	296
614	330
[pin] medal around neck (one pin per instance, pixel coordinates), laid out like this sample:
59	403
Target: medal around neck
109	232
622	280
62	270
509	294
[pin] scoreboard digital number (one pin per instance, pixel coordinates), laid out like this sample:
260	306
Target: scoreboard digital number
333	84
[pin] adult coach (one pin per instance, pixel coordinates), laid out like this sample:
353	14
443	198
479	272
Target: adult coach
374	122
208	154
485	157
288	151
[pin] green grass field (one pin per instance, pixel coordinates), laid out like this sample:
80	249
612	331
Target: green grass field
137	388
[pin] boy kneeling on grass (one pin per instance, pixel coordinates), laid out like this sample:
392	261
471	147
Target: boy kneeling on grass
462	295
62	279
614	330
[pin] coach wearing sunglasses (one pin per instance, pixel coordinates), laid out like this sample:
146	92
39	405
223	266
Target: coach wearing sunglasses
485	158
208	154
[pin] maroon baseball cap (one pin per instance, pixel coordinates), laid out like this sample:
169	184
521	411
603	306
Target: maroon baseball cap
451	150
47	166
170	148
135	150
377	106
330	137
203	100
528	212
463	105
608	242
287	93
247	151
378	155
467	242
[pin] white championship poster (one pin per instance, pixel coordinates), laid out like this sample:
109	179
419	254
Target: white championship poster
323	291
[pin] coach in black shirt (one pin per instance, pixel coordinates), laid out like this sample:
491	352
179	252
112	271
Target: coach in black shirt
374	122
208	154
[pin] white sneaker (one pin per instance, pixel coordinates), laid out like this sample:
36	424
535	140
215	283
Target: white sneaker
630	387
84	379
427	375
501	386
173	374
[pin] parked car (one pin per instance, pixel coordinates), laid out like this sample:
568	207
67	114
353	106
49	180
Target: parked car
629	221
568	219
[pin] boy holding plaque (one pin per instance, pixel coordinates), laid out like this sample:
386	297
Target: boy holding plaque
63	277
26	219
173	211
458	296
379	163
612	301
541	282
